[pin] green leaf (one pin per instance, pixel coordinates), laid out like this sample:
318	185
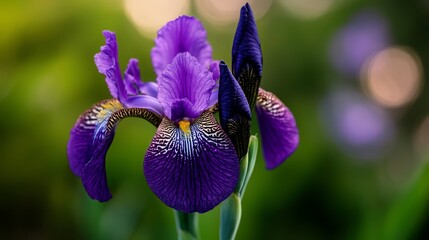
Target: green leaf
407	213
230	215
230	211
244	164
187	225
249	164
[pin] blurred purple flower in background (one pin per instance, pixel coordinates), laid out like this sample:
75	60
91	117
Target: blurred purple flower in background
358	126
365	34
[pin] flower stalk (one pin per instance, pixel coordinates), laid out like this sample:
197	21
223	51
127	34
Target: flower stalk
187	225
230	212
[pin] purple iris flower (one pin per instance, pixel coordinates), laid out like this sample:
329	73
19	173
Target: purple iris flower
191	164
277	125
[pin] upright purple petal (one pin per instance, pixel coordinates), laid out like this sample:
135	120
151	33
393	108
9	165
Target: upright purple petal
277	127
184	34
90	138
191	171
247	55
234	111
133	83
184	88
107	63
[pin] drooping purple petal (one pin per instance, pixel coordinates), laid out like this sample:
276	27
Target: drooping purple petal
133	83
184	34
234	111
107	63
90	138
89	141
247	55
194	171
184	88
278	129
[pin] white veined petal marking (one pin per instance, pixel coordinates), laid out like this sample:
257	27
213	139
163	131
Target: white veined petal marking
270	103
195	170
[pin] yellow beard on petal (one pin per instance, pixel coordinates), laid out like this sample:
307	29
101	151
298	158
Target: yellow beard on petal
184	125
107	108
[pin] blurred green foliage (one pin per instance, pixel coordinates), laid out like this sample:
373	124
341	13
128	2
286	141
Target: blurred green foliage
47	78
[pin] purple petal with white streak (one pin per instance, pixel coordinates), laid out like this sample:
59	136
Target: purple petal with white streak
195	171
278	129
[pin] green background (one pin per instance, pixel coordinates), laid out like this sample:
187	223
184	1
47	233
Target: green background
48	78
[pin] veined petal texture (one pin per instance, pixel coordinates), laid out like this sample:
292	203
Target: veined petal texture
184	88
247	55
278	129
234	111
192	171
91	137
107	63
184	34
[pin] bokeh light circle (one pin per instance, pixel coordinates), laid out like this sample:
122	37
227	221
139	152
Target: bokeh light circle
223	12
392	77
149	16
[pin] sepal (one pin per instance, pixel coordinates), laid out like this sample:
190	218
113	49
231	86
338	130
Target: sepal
247	55
234	111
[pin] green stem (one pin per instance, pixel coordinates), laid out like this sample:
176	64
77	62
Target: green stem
230	211
230	216
186	225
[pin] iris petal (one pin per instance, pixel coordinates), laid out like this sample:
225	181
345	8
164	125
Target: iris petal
107	63
133	83
214	68
90	139
247	55
214	95
185	34
193	171
184	88
278	129
145	101
234	111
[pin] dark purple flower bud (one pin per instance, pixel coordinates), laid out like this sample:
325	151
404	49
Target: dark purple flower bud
247	55
234	111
